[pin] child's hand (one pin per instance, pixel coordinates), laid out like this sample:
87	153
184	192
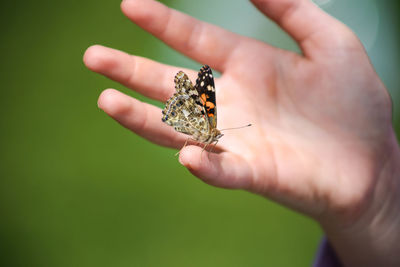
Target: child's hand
322	140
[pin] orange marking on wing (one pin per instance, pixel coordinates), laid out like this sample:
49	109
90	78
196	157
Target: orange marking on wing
210	105
203	98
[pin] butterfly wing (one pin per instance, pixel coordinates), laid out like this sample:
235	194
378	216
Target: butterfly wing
206	93
182	83
182	110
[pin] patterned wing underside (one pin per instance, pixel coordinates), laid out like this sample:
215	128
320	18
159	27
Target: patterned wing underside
182	110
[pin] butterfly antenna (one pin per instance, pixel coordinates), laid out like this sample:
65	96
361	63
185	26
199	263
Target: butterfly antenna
234	128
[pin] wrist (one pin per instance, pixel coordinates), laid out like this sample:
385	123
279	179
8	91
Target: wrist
373	239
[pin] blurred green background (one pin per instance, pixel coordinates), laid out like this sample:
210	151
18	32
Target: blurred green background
76	189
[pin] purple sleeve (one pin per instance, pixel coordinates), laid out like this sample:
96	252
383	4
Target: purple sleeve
326	256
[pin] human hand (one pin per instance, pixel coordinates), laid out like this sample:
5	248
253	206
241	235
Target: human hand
322	140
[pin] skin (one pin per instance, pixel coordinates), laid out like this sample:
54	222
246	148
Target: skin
322	140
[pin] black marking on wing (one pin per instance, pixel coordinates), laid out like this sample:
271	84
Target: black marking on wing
206	90
205	83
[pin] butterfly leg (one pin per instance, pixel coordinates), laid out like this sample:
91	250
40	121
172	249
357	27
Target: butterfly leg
212	148
177	153
204	148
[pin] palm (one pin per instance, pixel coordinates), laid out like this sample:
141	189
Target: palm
305	131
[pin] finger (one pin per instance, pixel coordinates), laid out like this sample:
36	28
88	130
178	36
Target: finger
312	28
225	169
141	118
147	77
201	41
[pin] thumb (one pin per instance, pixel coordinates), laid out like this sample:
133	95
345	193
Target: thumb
225	169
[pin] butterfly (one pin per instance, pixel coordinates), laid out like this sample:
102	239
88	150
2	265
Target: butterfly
192	109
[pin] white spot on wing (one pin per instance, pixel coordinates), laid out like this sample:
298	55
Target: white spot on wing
185	112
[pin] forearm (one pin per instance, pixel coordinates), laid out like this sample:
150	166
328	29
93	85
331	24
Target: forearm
374	238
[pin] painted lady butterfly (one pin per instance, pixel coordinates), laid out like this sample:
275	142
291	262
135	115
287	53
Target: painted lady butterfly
192	110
